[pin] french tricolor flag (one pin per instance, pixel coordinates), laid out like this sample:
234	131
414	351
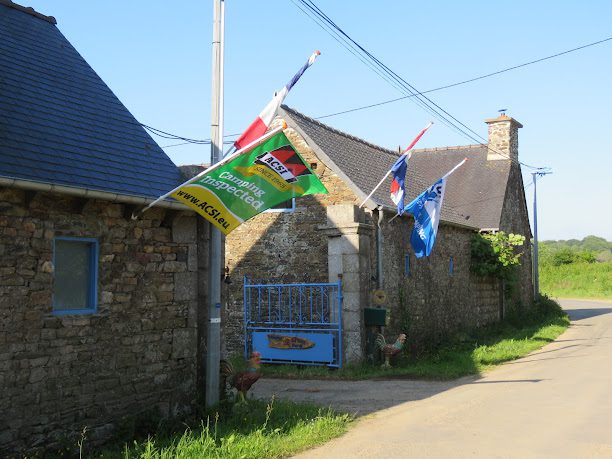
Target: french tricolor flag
398	171
398	188
261	123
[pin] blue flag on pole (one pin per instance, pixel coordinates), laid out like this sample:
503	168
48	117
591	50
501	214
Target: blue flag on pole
426	211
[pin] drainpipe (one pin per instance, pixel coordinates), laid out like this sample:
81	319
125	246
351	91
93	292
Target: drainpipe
379	249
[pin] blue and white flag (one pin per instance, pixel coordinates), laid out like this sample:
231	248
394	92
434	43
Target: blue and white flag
426	209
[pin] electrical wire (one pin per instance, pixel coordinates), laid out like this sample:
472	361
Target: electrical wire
452	85
192	143
391	77
315	13
372	61
168	135
397	81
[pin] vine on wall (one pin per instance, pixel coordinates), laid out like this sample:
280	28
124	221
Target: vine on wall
495	254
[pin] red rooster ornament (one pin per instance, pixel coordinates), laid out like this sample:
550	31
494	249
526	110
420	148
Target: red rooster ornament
242	380
389	350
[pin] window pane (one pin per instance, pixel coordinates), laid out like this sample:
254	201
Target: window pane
284	205
72	274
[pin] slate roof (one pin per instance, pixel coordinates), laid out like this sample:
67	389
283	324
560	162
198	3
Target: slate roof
61	124
476	191
474	194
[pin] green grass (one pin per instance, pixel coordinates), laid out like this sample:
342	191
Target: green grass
280	429
473	354
248	430
577	280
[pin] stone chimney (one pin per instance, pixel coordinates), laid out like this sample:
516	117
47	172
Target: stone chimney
503	138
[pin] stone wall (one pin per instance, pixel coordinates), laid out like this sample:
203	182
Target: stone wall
515	220
295	247
431	300
280	247
135	354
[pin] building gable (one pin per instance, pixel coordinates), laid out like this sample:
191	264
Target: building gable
61	124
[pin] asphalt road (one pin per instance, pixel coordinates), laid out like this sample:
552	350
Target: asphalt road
556	402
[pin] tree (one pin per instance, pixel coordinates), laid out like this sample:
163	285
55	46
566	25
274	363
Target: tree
595	244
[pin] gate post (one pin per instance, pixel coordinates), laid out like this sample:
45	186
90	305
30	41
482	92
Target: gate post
348	255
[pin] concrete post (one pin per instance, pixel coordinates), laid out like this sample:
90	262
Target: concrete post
349	241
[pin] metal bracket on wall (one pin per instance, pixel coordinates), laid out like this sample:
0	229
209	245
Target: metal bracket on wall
129	210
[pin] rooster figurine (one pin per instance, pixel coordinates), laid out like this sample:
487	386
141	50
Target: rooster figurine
242	380
389	350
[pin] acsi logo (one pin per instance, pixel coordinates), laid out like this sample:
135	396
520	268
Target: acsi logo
285	162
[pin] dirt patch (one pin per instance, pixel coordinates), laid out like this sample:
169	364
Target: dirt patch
354	397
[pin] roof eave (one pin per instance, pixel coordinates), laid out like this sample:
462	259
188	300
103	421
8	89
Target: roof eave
87	193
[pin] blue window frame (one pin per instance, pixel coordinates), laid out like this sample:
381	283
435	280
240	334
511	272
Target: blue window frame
407	265
75	279
451	266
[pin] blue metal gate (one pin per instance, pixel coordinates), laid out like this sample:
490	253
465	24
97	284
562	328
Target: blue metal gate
294	323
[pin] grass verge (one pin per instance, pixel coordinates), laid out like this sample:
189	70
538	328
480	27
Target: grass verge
281	428
248	430
577	280
472	353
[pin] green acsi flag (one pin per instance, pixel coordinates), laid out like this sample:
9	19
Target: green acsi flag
271	173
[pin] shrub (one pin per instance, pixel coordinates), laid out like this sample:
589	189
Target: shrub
543	308
495	254
547	307
563	256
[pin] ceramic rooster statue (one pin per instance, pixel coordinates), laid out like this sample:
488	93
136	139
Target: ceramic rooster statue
242	380
389	350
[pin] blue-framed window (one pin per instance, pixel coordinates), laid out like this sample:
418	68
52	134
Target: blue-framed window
407	265
451	266
285	206
75	262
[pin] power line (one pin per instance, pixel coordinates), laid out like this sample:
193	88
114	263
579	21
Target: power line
425	103
168	135
393	78
192	143
468	81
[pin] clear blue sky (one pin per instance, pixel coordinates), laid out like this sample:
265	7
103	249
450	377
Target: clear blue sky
156	56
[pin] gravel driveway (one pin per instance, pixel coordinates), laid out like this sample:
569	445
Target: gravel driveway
354	397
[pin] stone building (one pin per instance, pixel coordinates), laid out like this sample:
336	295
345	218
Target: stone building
98	312
322	236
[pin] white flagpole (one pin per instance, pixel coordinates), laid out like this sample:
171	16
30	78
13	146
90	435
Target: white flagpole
443	177
407	152
455	168
248	147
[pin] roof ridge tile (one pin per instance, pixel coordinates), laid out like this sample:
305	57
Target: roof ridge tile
337	131
28	10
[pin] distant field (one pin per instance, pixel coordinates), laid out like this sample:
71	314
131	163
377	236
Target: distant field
577	280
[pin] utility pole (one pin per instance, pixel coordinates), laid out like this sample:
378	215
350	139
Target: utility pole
213	335
536	274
